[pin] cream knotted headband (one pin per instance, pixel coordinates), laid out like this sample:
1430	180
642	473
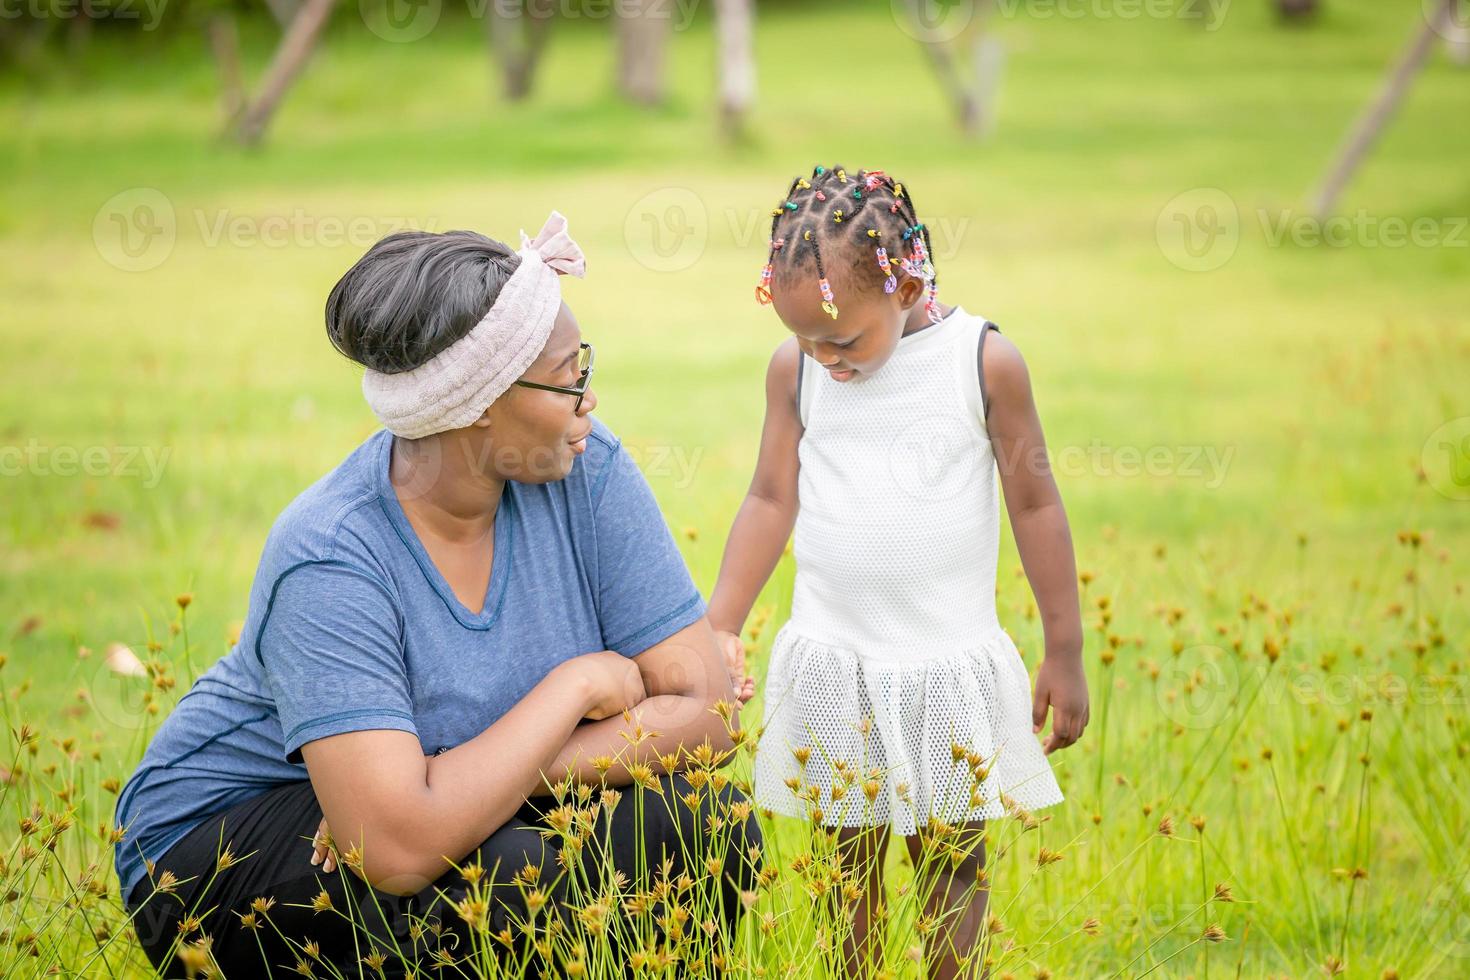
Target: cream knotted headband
455	387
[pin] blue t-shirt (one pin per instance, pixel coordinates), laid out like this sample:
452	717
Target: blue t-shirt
351	627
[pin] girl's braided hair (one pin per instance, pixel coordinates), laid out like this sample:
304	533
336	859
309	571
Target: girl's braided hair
865	216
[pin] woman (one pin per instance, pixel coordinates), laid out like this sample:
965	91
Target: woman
449	622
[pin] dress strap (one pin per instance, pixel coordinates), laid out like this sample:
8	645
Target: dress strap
970	363
804	392
985	329
800	372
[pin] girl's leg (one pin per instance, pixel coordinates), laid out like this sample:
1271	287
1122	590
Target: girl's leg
862	850
948	876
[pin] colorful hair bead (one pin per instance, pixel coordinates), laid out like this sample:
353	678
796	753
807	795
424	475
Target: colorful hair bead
931	305
891	283
921	255
828	307
911	255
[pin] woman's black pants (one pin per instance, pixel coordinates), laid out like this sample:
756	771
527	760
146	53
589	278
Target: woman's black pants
275	828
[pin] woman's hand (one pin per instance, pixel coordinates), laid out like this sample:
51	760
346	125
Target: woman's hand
1062	685
613	682
734	653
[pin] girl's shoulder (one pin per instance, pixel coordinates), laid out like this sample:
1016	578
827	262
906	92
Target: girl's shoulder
783	374
989	362
1004	377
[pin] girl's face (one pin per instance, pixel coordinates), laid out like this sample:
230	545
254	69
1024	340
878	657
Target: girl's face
865	333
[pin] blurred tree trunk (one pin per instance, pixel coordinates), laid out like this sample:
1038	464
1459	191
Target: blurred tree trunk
1440	19
518	30
79	33
284	11
643	34
24	40
967	65
291	56
224	47
1296	10
734	30
1457	36
964	101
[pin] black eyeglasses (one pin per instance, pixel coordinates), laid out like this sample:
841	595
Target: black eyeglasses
586	356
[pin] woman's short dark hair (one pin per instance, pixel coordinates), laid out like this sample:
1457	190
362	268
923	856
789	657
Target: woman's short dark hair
413	294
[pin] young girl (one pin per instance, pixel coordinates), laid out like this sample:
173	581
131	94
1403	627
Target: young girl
894	700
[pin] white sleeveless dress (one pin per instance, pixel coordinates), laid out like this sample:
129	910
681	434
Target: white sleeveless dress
893	676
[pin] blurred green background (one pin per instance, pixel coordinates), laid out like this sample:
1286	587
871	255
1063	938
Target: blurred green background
1237	411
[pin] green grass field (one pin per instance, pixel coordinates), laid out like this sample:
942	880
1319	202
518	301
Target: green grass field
1263	452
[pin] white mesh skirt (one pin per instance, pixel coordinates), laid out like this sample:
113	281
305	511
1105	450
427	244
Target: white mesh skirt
898	738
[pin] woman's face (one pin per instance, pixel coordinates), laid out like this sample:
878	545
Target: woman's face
536	435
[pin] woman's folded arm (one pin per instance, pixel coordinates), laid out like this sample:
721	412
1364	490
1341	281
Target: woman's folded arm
686	680
409	816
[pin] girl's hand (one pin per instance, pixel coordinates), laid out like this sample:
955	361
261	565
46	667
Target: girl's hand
734	651
1062	686
321	850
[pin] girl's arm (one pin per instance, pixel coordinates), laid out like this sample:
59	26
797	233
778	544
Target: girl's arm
1042	537
764	521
